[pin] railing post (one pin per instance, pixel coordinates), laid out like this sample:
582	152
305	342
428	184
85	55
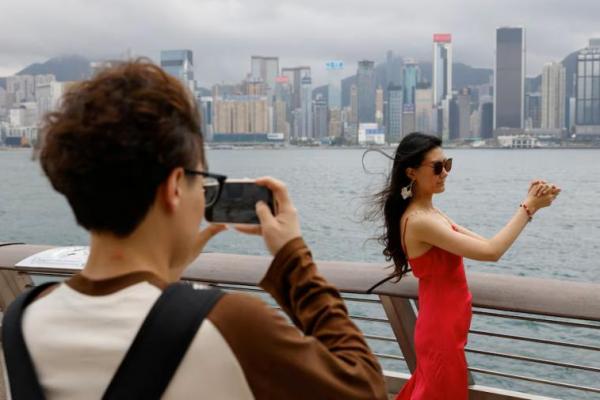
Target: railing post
402	319
12	283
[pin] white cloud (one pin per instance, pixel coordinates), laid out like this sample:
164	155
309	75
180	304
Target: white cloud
224	33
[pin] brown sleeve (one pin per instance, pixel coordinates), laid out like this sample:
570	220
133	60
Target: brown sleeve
331	360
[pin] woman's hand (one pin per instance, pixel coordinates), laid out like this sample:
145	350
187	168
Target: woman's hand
540	195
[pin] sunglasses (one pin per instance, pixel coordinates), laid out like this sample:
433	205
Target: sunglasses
439	166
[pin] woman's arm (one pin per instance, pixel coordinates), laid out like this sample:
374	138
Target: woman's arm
460	228
431	230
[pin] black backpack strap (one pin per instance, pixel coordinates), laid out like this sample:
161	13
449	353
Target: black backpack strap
161	342
24	383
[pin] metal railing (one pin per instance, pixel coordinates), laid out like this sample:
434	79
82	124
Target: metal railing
529	337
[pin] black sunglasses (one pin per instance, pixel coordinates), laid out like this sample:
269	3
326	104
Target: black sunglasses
213	185
439	166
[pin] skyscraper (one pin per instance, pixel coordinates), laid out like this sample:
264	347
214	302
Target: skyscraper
411	75
408	119
587	103
295	75
306	108
351	129
393	69
365	79
553	96
241	114
533	111
282	112
393	123
463	104
265	68
320	113
442	67
335	123
509	78
180	64
379	106
486	118
299	107
334	69
453	118
423	108
206	110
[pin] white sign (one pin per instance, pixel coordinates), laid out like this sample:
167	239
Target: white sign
61	257
275	136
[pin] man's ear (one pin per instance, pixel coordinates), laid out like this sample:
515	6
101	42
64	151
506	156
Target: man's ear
170	190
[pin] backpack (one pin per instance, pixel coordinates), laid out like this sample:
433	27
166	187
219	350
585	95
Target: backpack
151	360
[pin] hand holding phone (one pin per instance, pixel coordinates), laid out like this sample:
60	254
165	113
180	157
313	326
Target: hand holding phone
237	202
276	228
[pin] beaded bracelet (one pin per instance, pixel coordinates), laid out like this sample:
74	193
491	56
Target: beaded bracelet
528	211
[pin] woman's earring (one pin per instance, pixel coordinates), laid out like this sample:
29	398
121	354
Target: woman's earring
407	191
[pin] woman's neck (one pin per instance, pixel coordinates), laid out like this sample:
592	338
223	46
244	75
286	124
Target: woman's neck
423	201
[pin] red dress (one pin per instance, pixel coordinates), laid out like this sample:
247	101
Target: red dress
442	326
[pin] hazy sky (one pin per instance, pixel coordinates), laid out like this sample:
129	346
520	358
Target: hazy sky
224	33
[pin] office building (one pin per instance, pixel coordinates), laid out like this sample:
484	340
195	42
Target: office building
411	76
265	69
553	95
180	64
587	103
509	78
424	108
393	116
365	82
334	71
442	67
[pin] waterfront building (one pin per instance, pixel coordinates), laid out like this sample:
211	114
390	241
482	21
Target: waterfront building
553	96
424	108
442	67
180	64
411	76
587	102
393	124
509	78
267	70
365	82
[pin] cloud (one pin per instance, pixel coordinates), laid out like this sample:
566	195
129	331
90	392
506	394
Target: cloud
224	33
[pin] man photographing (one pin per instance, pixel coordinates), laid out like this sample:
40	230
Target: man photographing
126	150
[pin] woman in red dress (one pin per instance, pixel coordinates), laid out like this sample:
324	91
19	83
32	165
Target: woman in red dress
418	234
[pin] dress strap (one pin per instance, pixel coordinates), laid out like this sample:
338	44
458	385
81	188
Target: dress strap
403	239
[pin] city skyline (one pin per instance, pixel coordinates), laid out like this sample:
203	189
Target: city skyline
223	35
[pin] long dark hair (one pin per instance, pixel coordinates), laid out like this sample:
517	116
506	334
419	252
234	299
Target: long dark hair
389	203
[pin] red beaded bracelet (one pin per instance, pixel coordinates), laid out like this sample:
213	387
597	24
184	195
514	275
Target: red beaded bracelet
528	211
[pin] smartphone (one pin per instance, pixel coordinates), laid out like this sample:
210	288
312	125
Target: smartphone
237	202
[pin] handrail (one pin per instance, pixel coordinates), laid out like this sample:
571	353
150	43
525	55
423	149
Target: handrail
550	297
494	296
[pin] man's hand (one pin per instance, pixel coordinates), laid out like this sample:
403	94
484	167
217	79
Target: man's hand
277	229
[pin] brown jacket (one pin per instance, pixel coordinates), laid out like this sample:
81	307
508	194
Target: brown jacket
78	333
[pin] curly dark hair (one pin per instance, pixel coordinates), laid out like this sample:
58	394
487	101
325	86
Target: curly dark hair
389	204
115	139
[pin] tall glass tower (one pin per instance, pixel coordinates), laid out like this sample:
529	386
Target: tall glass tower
267	69
509	78
587	100
411	74
442	67
365	79
180	64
